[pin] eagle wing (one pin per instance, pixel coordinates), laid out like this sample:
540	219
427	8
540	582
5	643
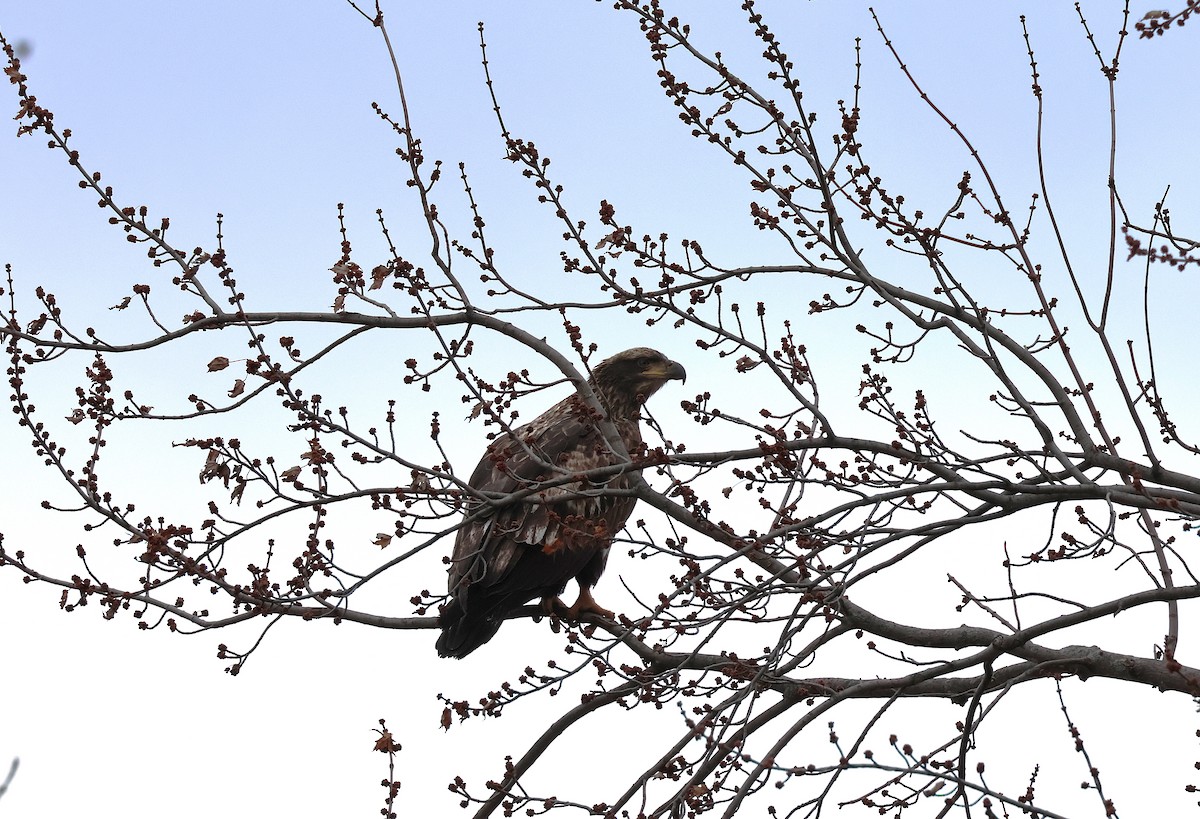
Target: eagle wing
488	546
504	556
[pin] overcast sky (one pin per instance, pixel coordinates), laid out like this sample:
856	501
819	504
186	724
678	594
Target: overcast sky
261	111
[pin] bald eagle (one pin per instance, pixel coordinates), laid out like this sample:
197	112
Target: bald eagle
530	548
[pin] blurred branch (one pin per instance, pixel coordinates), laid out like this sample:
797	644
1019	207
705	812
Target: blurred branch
12	771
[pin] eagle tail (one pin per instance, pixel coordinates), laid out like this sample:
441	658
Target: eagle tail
462	633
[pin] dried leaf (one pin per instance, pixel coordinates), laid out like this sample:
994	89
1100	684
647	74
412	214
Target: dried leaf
76	416
745	364
217	364
122	304
378	277
316	454
386	744
214	469
615	241
239	387
382	540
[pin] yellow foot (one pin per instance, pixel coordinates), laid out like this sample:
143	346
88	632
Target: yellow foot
586	604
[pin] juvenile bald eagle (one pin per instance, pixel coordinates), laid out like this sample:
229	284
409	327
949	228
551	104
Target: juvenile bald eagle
530	548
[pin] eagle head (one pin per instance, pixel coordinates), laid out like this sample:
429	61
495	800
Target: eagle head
627	379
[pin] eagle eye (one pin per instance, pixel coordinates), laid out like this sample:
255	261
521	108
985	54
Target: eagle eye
644	362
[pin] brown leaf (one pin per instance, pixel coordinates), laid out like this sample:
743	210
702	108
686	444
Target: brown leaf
290	474
239	387
122	304
76	416
378	277
217	364
614	240
316	454
386	744
382	540
745	364
214	469
446	716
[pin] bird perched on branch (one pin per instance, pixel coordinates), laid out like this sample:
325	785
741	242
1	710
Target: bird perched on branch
530	547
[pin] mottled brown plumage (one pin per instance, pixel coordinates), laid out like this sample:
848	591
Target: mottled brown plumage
531	548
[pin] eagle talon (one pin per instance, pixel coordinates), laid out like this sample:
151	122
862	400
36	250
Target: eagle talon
586	604
554	606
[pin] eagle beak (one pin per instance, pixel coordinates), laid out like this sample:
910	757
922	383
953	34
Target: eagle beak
675	371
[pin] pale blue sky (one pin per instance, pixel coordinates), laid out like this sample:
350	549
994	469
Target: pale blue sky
261	111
